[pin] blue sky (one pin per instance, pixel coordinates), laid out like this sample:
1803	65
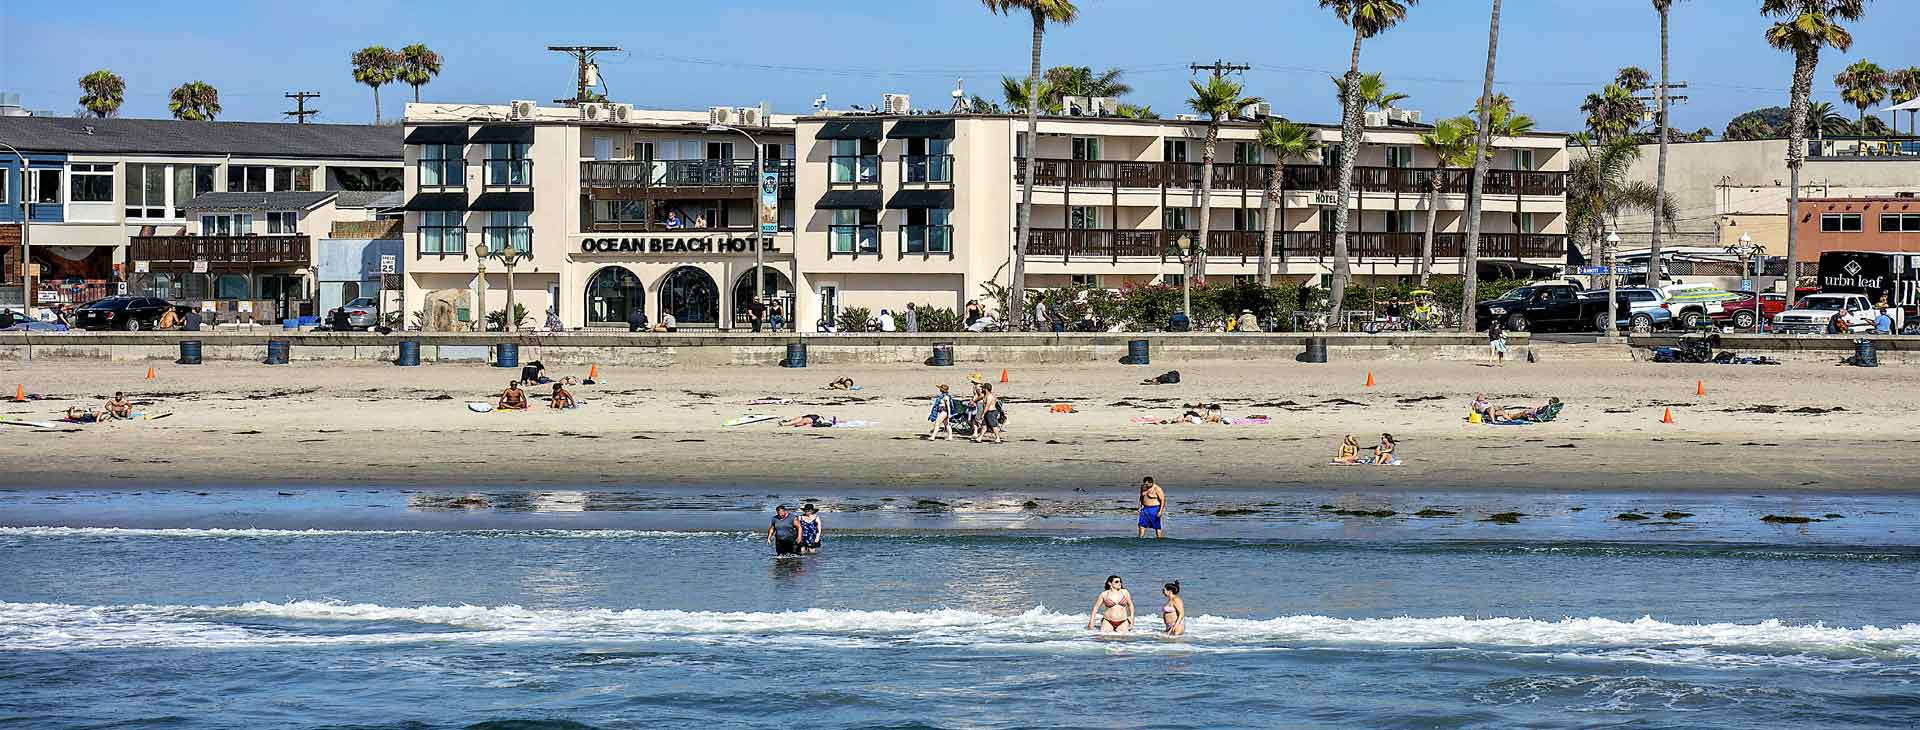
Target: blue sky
786	52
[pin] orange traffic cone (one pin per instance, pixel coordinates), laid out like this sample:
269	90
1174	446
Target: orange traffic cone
1369	378
1699	387
1667	417
1003	376
149	372
593	372
19	393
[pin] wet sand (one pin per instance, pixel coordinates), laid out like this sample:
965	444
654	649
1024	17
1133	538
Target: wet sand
1759	429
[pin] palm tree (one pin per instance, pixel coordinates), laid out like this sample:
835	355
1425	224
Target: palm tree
1863	85
1633	78
1612	112
1599	191
1663	7
1135	111
1805	27
1451	143
1367	18
103	93
1060	12
418	65
1082	81
1286	141
1470	253
1906	87
1015	92
1825	119
1219	100
1374	96
195	101
375	66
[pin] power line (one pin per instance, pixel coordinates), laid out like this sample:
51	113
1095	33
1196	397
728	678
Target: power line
1220	68
301	112
588	74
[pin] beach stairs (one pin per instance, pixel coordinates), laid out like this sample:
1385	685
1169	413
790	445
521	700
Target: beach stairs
1581	352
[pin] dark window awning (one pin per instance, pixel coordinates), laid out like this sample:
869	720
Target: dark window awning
921	199
503	133
438	134
921	129
522	201
438	201
850	129
850	200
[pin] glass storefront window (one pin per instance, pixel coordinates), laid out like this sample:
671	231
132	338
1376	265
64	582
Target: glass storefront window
612	294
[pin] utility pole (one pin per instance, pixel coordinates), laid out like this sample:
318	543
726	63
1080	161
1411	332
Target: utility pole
588	74
301	112
1219	68
1663	98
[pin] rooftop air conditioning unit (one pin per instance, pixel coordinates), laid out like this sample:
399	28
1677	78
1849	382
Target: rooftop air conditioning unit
1408	116
596	112
749	116
520	110
1261	110
719	115
896	104
1376	119
1076	106
1104	106
623	113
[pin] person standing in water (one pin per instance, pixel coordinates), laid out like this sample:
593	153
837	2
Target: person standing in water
782	533
1112	609
1153	502
1175	612
811	529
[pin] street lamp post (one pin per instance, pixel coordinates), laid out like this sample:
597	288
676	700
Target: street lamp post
1613	284
26	245
480	286
1749	254
759	235
510	257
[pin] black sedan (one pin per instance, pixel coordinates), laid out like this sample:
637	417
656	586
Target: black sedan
120	313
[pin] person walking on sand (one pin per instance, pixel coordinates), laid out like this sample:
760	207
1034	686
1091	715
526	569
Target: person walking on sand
991	417
1112	609
1497	343
1175	612
1153	503
942	413
783	534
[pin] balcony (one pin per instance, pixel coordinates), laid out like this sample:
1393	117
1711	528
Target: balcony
1068	244
1091	174
661	179
917	169
218	250
1403	246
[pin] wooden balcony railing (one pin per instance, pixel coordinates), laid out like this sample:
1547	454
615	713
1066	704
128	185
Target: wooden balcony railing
1070	244
252	250
1237	176
729	173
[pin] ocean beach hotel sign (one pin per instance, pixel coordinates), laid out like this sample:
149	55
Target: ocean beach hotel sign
677	245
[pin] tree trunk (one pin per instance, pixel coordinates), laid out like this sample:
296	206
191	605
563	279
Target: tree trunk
416	93
1804	63
1199	256
1437	186
1660	168
1017	289
1266	219
1470	254
1352	133
376	105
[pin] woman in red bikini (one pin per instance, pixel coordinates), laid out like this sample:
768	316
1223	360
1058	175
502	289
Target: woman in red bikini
1112	609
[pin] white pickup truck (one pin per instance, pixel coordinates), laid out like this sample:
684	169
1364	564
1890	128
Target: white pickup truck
1819	314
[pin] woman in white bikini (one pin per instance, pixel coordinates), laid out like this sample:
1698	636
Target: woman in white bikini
1112	609
1175	612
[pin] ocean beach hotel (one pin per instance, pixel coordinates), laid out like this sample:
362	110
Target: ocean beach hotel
611	208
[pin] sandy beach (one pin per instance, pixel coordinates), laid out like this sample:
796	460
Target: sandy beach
1758	428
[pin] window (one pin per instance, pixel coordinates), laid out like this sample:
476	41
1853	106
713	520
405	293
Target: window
1246	219
1840	223
1330	155
1173	280
1084	217
90	183
45	186
248	178
6	176
854	232
927	161
146	191
227	224
602	148
442	232
283	223
1083	279
1248	153
509	228
183	184
508	166
203	177
1523	223
773	151
1900	223
1523	159
927	231
854	161
1400	221
1399	156
1177	219
622	212
1174	150
1086	148
443	165
719	150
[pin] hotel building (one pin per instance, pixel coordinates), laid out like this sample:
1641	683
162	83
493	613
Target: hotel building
878	211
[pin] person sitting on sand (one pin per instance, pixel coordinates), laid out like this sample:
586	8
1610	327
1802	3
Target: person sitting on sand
811	421
841	384
562	398
169	319
1214	415
513	398
1349	451
1383	453
118	407
942	413
1112	609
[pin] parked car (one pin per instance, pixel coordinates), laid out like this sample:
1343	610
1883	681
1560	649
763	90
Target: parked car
1819	314
1696	305
362	314
120	313
1541	306
1750	309
1641	308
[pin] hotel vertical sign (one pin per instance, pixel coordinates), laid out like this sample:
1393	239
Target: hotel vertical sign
769	202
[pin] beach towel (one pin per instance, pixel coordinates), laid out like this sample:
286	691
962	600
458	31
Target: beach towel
1145	419
769	401
1257	421
856	424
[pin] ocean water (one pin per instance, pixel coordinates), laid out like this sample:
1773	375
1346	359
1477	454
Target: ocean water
397	609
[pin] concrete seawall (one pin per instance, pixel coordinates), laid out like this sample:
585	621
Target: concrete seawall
739	349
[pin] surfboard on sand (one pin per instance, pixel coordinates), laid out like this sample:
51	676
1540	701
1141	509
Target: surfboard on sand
33	424
749	418
480	407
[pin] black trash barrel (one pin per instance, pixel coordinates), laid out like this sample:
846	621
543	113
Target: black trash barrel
796	355
1864	354
1137	352
278	351
1316	350
506	355
409	353
942	356
189	352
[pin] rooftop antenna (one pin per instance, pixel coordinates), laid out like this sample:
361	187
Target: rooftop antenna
959	96
820	104
301	112
588	74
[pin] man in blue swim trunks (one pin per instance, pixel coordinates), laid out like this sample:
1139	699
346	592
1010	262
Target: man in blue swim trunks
1153	501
